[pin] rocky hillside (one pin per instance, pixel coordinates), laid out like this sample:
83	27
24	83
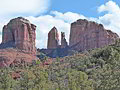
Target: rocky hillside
97	69
15	57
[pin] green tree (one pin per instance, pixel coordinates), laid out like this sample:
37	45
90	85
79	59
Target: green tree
78	80
5	78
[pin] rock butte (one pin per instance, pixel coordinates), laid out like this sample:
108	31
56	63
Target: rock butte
86	35
19	33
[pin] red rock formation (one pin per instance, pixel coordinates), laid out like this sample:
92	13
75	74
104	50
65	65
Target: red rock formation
15	57
85	35
53	39
20	33
63	40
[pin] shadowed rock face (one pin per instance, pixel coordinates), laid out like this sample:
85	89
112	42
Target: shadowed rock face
19	33
53	39
63	40
85	35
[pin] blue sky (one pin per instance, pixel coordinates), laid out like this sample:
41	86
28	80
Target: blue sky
86	7
46	14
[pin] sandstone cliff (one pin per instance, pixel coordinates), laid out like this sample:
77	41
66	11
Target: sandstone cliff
53	39
86	35
19	33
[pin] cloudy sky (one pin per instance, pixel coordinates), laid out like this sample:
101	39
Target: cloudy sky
60	13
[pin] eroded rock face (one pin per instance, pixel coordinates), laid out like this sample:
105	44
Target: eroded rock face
19	33
64	43
85	35
53	39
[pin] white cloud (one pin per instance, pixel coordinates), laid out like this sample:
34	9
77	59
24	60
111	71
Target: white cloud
110	7
44	25
22	7
111	19
62	21
68	16
2	23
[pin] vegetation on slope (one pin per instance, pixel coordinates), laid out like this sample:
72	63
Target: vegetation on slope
98	69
